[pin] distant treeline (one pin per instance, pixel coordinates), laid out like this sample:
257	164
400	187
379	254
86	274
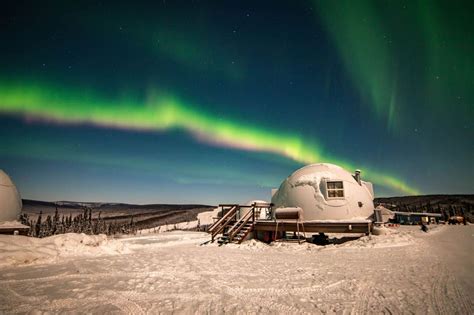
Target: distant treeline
456	208
81	223
88	223
47	206
434	200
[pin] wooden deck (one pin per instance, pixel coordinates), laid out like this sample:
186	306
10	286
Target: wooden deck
10	230
314	227
230	227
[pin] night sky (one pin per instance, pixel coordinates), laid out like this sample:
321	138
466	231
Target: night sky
208	102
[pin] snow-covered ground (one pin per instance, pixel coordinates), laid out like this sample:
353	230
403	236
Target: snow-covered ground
203	218
406	271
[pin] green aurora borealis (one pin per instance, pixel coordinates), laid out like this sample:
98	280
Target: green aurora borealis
437	38
225	100
161	113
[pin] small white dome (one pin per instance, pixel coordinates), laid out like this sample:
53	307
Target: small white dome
263	211
325	192
10	201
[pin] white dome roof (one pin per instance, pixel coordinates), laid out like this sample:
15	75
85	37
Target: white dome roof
263	212
251	202
10	201
307	188
5	180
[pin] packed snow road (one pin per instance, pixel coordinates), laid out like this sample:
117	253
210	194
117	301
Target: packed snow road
402	272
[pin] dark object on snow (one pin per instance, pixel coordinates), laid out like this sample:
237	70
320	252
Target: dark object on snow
320	239
424	227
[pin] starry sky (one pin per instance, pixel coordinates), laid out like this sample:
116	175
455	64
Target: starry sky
219	101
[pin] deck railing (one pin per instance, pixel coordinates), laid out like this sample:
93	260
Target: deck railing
219	226
230	219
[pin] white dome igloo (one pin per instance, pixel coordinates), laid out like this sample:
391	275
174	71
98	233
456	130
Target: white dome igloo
10	201
326	192
262	211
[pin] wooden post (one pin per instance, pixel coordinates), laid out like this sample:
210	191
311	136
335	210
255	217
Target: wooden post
253	213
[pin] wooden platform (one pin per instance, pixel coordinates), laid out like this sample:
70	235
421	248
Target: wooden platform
22	230
232	227
314	227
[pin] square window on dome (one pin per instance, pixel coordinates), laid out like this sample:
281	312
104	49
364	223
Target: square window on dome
335	189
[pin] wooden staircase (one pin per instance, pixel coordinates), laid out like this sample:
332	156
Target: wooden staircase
231	229
243	227
234	230
229	215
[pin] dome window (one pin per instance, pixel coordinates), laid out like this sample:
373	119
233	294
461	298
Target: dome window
335	189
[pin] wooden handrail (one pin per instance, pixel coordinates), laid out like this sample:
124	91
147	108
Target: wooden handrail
220	225
221	228
238	223
241	223
231	237
229	214
224	217
263	205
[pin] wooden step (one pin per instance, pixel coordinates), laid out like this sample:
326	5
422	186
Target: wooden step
223	240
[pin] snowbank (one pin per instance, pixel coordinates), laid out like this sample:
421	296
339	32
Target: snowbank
20	250
252	244
204	218
389	238
380	241
171	238
432	276
170	227
12	225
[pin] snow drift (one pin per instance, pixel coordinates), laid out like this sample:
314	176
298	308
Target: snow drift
19	250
